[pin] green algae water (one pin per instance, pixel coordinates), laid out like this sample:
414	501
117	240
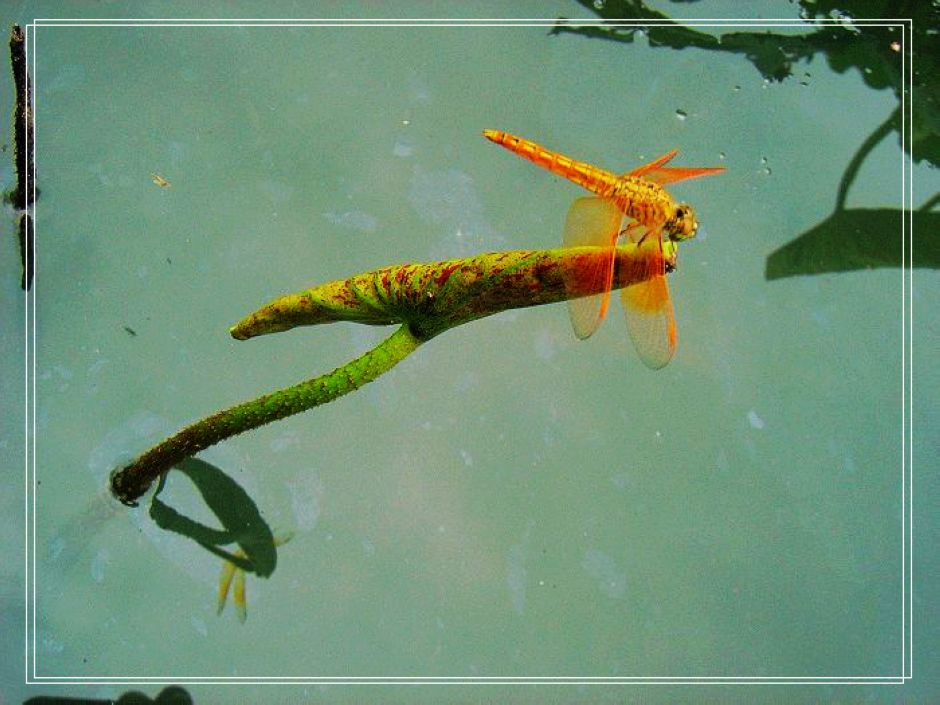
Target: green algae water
509	505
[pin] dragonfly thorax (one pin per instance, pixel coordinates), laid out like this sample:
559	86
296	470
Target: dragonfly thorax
646	202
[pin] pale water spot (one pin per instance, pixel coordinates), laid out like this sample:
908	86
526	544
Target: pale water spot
418	90
177	152
69	78
755	420
516	577
284	440
56	547
277	191
199	626
99	564
267	159
96	366
550	437
356	220
59	371
403	149
103	176
621	481
722	464
51	645
821	319
843	455
466	380
516	573
546	344
448	199
610	579
306	498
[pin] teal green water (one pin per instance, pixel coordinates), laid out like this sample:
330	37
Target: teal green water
510	501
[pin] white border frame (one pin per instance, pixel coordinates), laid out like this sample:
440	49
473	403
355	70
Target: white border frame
906	672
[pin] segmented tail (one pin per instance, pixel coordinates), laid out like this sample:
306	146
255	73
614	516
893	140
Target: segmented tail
583	174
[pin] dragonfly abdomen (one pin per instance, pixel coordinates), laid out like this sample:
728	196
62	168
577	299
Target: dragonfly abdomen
585	175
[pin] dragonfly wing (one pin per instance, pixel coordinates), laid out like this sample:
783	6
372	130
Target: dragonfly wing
651	321
591	222
657	171
653	165
670	175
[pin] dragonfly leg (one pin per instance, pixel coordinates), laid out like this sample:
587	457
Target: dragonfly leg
635	232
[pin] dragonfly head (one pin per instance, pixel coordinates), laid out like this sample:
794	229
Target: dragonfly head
682	224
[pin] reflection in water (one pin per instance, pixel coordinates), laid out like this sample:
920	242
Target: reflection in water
172	695
848	239
858	239
230	504
118	446
78	533
70	542
861	238
875	51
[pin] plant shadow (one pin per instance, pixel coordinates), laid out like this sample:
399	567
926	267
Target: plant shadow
849	239
233	507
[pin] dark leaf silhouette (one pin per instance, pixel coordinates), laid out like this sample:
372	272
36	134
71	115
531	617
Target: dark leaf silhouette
876	52
858	238
236	511
861	238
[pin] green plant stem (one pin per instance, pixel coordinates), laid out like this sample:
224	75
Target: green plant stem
426	299
133	480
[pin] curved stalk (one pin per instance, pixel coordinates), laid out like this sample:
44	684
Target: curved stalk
131	481
851	171
426	299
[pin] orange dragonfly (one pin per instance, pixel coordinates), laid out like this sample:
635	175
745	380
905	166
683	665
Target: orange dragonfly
634	205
